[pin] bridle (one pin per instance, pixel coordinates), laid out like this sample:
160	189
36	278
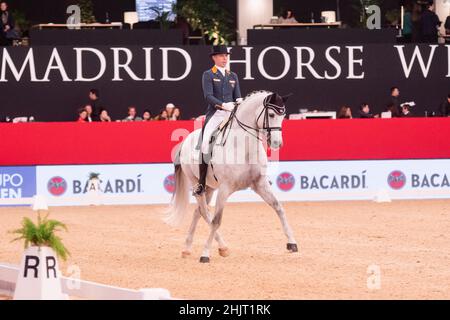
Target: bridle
270	106
266	125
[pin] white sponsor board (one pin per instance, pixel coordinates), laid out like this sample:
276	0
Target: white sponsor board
362	180
291	181
119	184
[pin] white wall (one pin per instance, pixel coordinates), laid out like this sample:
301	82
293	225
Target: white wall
251	12
443	11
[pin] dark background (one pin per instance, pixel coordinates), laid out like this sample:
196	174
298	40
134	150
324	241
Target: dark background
45	11
59	101
294	36
350	10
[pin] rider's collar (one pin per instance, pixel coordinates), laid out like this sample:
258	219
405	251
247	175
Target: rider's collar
223	71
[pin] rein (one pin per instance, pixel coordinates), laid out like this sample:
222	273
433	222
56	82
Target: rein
266	125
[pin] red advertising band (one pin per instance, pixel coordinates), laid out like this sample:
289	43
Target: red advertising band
304	140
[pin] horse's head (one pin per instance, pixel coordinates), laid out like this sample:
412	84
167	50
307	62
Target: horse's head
270	117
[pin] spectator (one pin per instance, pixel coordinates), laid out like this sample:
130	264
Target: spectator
393	109
82	115
94	96
162	116
132	115
395	97
345	113
407	30
364	112
288	17
406	113
429	25
176	114
104	116
89	111
147	115
447	26
7	25
415	18
444	108
169	108
182	25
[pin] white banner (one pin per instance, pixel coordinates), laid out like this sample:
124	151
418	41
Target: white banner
291	181
361	180
119	184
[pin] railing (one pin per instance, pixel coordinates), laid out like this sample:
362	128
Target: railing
298	25
84	289
78	25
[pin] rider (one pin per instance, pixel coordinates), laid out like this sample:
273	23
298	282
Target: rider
220	89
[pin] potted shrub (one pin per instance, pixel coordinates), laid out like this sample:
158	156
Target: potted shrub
39	275
87	11
162	17
208	17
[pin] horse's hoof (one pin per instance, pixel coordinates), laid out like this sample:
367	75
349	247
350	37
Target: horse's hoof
204	259
185	254
292	247
224	252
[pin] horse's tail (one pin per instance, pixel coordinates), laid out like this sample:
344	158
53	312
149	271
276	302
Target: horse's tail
180	199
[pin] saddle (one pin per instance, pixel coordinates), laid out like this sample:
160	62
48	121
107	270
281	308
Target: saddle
208	156
211	142
213	138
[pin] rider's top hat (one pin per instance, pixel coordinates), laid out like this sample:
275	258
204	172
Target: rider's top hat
219	50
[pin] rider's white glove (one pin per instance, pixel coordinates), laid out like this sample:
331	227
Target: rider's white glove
228	106
239	100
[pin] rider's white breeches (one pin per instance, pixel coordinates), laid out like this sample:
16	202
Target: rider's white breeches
212	125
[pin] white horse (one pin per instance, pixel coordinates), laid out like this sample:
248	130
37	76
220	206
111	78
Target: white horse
238	161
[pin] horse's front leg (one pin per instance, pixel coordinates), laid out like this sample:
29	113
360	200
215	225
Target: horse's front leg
262	187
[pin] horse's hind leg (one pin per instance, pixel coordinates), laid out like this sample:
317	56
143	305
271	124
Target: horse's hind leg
196	216
262	188
190	237
215	223
223	250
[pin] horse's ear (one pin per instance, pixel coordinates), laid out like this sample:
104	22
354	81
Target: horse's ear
272	98
286	97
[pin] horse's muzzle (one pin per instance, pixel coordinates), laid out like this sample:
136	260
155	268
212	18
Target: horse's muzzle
275	144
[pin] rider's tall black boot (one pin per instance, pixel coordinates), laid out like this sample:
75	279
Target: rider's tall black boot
200	188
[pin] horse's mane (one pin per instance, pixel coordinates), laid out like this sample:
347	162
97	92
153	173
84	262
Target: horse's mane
253	93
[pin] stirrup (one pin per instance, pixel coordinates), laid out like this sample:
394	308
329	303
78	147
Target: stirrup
199	189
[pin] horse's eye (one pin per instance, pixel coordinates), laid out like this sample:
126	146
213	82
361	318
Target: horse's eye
272	115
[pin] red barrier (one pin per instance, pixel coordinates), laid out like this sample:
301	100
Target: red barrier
367	139
122	143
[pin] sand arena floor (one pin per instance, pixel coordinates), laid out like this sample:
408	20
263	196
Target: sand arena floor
130	246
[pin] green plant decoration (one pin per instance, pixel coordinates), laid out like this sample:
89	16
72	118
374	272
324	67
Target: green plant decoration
94	175
208	17
43	234
162	17
87	11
